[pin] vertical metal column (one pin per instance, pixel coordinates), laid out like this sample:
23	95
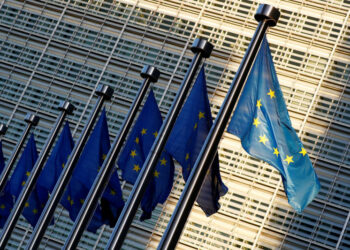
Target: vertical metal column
266	16
11	221
202	49
105	93
151	74
32	120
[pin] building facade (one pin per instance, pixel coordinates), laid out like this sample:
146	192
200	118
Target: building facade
62	49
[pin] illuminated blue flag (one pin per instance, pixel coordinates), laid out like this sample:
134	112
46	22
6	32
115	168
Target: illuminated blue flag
2	159
187	138
262	123
49	176
135	153
23	168
90	161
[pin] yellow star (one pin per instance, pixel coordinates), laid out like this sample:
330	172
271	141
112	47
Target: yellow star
163	162
155	134
200	115
26	204
104	156
258	103
271	94
195	125
289	159
68	198
133	153
23	183
156	174
2	206
256	122
303	151
35	211
82	201
137	140
62	165
27	173
275	152
71	202
136	168
187	156
112	192
263	139
144	131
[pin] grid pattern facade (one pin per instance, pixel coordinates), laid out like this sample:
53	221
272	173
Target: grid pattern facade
62	49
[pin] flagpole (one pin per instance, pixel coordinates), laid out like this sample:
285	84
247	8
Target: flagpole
202	49
150	74
3	129
267	16
66	108
104	92
31	120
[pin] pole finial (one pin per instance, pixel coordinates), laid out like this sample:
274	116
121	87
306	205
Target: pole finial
31	118
66	106
104	90
268	12
150	72
203	46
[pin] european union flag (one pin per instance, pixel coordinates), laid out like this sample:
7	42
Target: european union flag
91	159
135	153
2	159
24	166
6	204
55	164
186	140
6	200
262	123
33	206
49	176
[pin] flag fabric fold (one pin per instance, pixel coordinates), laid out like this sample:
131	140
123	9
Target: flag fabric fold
19	177
186	140
262	123
136	151
6	200
85	172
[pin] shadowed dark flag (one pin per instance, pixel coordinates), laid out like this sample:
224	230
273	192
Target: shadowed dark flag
262	123
186	139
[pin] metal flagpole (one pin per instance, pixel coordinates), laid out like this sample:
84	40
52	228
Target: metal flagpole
31	120
202	49
105	93
266	16
11	221
151	74
3	129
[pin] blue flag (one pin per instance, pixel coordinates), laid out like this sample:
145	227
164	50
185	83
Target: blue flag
262	123
6	200
2	159
135	153
55	164
49	176
23	168
33	206
187	138
6	204
91	159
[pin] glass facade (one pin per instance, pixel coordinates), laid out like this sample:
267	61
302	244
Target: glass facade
62	49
